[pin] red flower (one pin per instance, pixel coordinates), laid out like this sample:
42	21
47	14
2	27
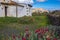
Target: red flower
13	37
23	38
55	39
27	35
18	36
48	39
42	30
37	31
26	29
46	29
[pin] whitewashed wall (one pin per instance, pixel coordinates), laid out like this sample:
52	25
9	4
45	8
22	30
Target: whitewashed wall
2	11
1	0
5	1
28	11
11	11
20	11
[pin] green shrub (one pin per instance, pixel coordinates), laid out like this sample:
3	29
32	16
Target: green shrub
26	20
38	21
36	14
41	20
8	20
39	14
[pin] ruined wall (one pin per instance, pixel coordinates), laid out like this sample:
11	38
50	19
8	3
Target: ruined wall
54	20
11	11
5	1
2	11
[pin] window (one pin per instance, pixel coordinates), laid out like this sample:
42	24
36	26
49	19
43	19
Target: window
26	8
27	13
8	1
2	8
4	0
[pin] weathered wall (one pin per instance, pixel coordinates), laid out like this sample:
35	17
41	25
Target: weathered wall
24	11
1	1
54	20
11	11
20	11
2	11
28	10
5	1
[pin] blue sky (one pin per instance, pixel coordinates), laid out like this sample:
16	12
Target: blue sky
47	4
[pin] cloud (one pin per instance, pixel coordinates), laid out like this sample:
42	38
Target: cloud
24	1
41	0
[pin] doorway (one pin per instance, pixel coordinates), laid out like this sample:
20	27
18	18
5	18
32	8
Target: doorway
6	11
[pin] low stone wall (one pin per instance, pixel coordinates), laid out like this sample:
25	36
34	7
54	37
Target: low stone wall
54	19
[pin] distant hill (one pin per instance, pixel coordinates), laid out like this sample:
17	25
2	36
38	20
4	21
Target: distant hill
41	10
57	12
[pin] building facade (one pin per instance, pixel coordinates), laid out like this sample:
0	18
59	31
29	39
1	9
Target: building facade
12	9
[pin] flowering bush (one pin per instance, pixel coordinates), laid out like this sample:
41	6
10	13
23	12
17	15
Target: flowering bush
38	34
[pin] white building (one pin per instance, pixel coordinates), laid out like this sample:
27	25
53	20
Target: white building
12	9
